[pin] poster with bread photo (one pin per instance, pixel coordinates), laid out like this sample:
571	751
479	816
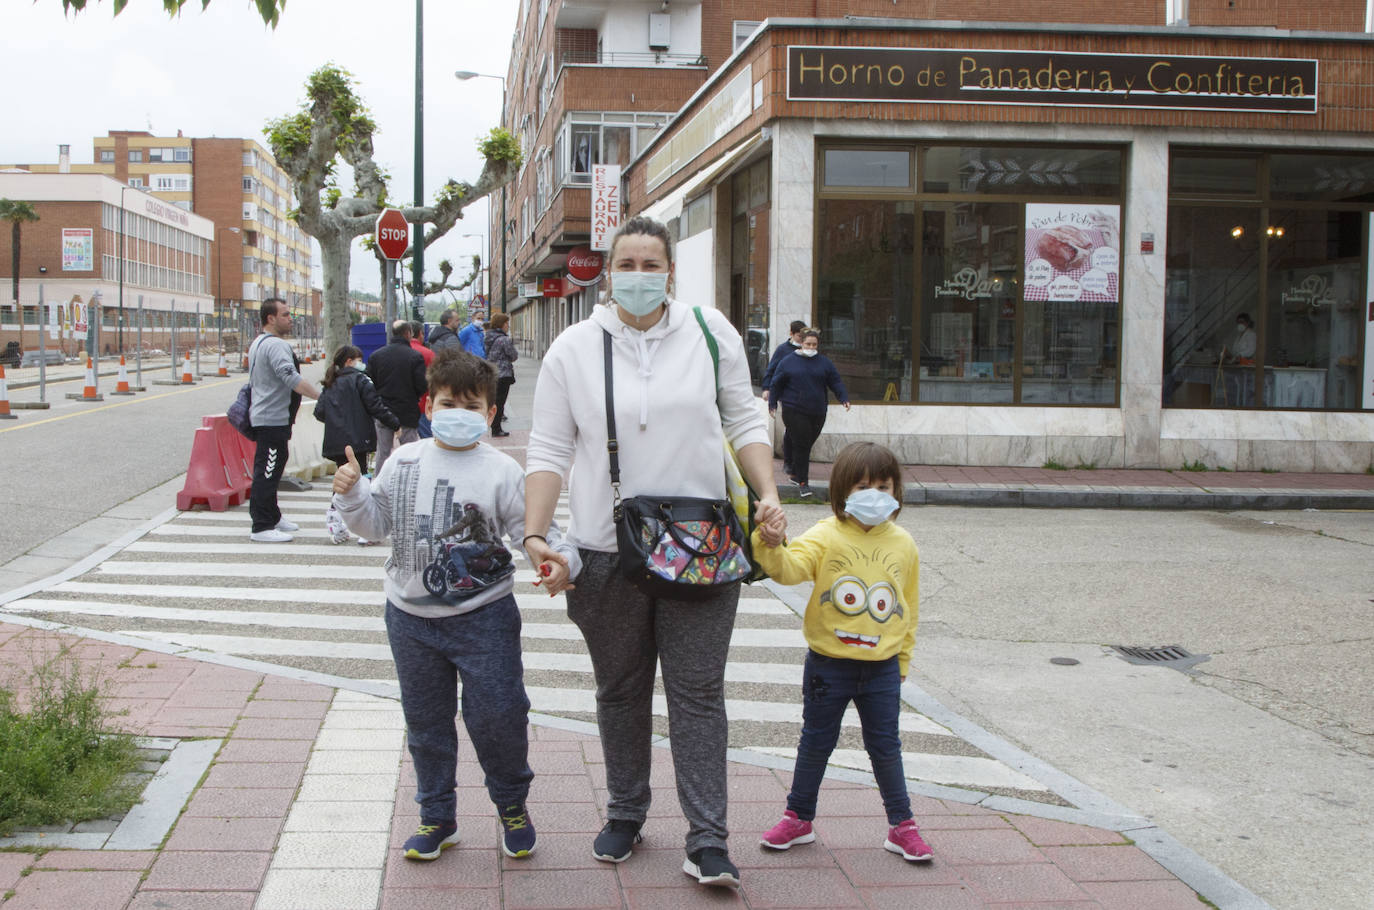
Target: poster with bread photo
1073	252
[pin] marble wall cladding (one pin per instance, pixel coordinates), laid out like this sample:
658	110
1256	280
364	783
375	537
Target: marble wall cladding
1183	423
995	421
1140	440
1174	453
1021	451
926	420
1073	451
1082	422
1293	425
1142	350
1344	427
1342	457
1274	455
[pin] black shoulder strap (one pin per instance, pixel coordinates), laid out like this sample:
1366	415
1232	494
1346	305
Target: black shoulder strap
612	444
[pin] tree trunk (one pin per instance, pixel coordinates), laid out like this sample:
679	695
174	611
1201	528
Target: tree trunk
334	255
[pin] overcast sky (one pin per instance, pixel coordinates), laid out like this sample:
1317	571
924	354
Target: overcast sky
221	72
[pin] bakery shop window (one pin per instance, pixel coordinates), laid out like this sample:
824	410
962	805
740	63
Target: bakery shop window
1016	171
1265	296
994	278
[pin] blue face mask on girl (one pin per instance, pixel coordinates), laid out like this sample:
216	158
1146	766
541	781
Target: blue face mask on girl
871	507
458	427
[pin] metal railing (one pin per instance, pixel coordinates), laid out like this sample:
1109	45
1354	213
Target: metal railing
573	55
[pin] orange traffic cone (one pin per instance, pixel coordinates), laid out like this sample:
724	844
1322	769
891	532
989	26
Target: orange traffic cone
5	398
88	393
223	367
244	367
186	377
122	386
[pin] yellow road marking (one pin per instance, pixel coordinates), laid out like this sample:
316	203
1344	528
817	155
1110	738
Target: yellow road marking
120	404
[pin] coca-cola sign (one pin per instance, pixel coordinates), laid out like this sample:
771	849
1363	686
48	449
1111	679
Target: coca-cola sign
584	266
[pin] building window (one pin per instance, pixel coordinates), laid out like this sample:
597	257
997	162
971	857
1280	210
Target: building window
977	284
1265	280
588	138
248	184
182	154
107	156
136	156
163	184
743	29
136	182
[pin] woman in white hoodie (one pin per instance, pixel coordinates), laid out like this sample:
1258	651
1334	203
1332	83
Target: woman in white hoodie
669	424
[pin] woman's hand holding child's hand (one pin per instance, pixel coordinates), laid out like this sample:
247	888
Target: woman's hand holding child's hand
771	521
550	566
347	474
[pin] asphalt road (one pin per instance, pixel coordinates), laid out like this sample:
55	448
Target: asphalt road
76	460
1259	759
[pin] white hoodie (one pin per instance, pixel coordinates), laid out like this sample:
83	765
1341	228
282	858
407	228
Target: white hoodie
666	417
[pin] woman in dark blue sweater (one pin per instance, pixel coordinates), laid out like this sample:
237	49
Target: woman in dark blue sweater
799	385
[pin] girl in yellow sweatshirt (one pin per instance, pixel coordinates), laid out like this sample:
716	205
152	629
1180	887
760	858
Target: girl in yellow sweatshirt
860	625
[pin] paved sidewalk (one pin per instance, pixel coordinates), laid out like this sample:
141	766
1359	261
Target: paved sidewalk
308	798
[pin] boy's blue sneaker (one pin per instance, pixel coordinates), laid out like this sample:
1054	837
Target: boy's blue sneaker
429	840
517	831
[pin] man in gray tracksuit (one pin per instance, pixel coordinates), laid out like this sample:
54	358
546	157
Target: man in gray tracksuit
274	378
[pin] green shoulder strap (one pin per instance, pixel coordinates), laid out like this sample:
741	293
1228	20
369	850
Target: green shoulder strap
710	344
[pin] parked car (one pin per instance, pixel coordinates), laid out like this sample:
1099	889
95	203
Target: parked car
13	355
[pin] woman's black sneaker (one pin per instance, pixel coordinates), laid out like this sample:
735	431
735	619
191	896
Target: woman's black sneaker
711	866
805	492
617	840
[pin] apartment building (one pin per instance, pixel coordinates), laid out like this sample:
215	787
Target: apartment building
1137	235
236	183
70	258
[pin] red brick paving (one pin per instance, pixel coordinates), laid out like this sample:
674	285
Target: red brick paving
223	842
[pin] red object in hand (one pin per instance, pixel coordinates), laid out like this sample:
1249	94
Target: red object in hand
545	569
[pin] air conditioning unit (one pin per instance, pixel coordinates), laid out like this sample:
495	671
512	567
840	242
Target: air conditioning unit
660	29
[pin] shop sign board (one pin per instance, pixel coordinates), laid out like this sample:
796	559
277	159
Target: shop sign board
584	266
78	249
605	204
1073	252
531	289
988	76
553	287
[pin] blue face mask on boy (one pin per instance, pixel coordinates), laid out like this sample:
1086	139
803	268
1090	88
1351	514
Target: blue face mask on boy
871	506
458	427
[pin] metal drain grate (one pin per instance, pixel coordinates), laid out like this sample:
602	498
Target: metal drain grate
1173	656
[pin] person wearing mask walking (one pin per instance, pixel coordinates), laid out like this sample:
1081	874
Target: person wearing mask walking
398	372
501	353
472	337
799	386
791	345
274	378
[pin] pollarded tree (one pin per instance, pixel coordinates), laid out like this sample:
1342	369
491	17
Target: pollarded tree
17	213
270	10
334	124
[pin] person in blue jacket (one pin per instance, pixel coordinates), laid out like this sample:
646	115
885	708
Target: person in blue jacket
472	338
799	385
791	345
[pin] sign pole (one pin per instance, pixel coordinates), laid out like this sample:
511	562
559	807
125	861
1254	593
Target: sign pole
42	347
200	339
139	381
93	338
173	340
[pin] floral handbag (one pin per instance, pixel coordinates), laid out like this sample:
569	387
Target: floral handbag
677	547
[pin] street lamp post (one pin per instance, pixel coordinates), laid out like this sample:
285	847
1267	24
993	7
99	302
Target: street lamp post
122	191
219	284
464	75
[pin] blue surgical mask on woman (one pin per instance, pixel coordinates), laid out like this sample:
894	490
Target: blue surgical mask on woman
458	427
639	293
871	506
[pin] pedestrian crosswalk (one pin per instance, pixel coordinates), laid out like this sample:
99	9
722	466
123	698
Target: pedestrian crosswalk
197	582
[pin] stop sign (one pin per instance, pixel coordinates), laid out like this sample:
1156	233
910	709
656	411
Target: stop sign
393	234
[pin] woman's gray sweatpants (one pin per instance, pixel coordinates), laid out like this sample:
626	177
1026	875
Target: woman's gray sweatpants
627	634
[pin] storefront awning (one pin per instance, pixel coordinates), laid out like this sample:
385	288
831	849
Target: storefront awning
670	206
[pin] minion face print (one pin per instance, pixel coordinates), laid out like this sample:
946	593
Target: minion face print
864	593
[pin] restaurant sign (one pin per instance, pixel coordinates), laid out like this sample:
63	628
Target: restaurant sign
1174	82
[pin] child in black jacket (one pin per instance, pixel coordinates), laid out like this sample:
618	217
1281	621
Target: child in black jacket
347	407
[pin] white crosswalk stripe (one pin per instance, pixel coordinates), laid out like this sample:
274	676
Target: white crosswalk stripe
196	581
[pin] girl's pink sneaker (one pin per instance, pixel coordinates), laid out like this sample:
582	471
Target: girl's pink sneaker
906	840
791	830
